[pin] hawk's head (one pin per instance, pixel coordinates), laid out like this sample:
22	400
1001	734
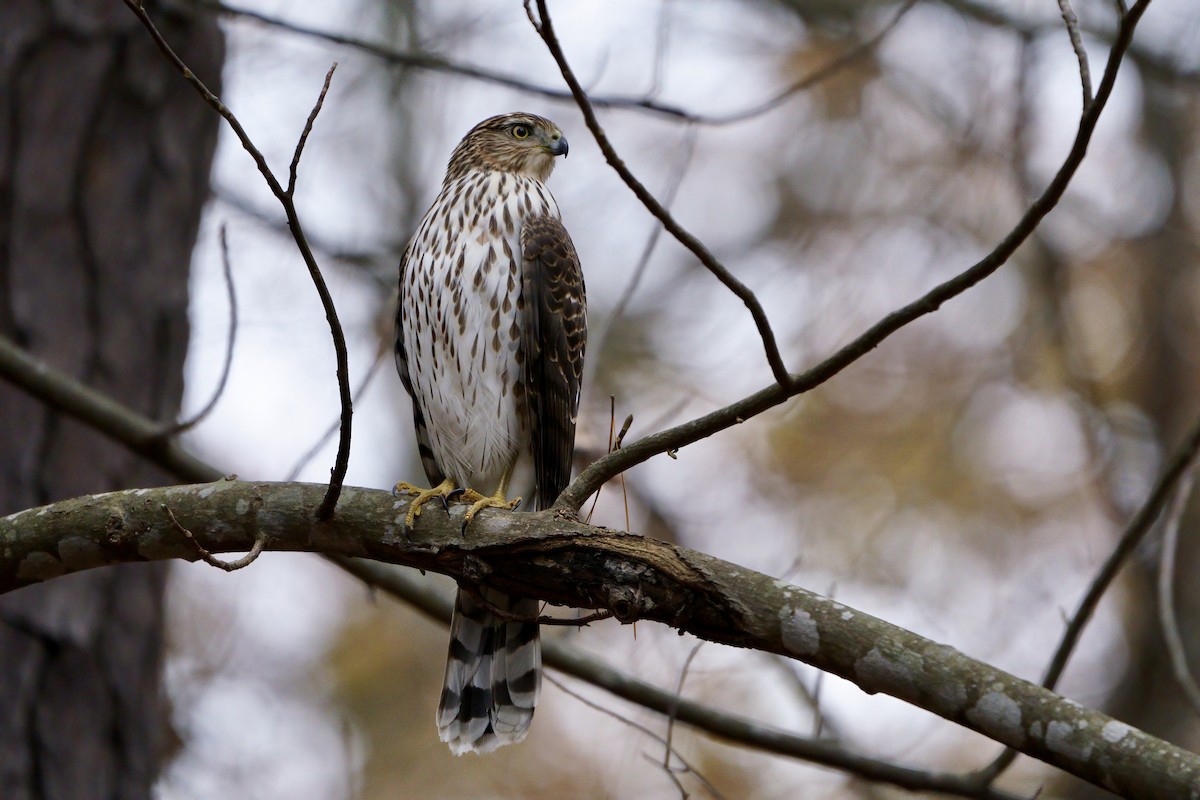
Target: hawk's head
523	144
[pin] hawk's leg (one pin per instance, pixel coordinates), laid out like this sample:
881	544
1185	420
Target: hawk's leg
443	490
481	501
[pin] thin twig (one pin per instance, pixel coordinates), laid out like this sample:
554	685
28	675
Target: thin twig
642	729
625	426
545	28
1166	604
575	622
308	126
683	672
207	557
612	425
1085	72
342	462
373	370
509	616
808	80
639	271
230	339
1134	533
662	40
368	263
436	63
605	468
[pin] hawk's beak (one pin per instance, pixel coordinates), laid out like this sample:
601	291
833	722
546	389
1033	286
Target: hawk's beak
558	146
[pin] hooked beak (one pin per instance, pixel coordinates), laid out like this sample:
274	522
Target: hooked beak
558	145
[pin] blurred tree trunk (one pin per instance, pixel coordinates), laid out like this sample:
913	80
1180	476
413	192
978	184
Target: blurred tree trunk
1149	696
1165	386
104	164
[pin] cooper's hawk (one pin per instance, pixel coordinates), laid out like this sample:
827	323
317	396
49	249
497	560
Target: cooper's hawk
490	335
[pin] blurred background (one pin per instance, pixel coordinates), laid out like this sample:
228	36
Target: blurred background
964	480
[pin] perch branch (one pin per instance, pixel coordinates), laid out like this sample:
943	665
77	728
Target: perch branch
545	556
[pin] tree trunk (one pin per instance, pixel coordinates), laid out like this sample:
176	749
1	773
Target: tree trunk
1165	386
104	163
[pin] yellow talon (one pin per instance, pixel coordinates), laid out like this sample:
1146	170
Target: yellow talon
423	496
481	501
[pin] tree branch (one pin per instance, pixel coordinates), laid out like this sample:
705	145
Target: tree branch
436	63
897	662
142	436
559	560
286	200
118	422
230	341
545	29
728	727
613	464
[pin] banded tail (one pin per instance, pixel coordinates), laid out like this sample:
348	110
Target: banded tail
493	674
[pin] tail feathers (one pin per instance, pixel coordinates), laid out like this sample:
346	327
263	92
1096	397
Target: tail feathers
493	674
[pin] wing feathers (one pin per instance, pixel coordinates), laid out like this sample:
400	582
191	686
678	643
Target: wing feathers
554	335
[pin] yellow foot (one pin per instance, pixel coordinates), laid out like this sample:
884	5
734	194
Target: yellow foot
443	490
481	501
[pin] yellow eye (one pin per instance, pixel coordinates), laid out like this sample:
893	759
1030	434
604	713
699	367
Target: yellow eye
520	132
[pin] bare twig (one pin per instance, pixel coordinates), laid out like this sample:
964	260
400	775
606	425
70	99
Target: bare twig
509	616
209	558
1140	525
380	357
1156	62
231	338
625	426
308	125
369	263
1166	579
545	28
672	439
613	444
662	40
432	62
1134	533
811	79
612	424
635	280
712	790
1085	72
424	61
575	622
683	672
284	196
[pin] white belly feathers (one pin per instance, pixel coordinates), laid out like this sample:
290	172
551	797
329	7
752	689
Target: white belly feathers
464	292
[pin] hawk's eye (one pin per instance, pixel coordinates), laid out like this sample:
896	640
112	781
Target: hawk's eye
520	132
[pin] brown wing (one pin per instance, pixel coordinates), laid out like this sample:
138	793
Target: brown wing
554	335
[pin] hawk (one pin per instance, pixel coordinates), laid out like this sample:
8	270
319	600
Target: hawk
490	335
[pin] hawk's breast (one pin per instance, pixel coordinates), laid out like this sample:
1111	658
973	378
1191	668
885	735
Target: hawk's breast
462	304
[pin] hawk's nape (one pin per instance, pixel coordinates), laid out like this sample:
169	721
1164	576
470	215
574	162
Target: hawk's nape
490	335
